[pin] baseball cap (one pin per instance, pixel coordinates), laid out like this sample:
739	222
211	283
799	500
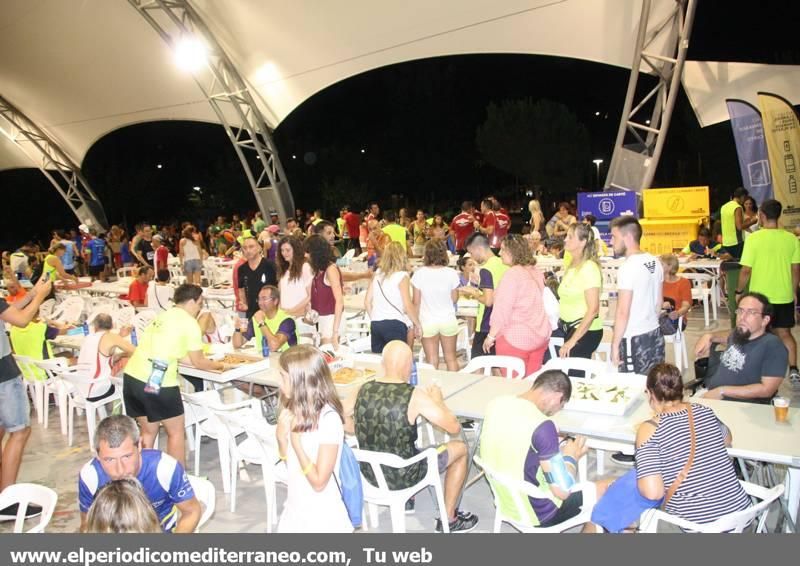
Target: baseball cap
274	228
83	228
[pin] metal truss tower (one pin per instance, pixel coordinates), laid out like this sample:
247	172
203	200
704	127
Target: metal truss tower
62	172
645	119
226	90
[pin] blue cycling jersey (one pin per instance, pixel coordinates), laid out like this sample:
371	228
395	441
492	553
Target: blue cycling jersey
162	477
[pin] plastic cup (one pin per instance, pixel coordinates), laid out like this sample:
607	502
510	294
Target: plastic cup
781	406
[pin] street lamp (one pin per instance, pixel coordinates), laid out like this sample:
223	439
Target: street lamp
597	163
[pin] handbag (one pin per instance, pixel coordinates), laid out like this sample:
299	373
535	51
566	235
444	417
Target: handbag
667	325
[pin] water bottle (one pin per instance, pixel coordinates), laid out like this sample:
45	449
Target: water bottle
134	339
264	347
85	327
414	376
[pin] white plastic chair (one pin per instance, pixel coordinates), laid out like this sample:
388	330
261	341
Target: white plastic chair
46	309
54	385
131	271
142	319
732	522
206	494
123	317
396	499
79	381
514	367
520	491
69	311
703	290
259	448
35	380
678	342
24	494
204	407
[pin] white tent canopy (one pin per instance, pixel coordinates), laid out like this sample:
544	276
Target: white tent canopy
709	83
81	69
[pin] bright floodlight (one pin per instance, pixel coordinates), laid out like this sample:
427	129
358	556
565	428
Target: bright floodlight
159	166
198	189
190	54
597	161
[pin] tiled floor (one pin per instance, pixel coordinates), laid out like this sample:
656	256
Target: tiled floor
49	461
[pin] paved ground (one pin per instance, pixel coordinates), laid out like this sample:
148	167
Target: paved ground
49	461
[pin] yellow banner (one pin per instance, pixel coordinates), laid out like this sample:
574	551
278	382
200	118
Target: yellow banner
782	133
680	202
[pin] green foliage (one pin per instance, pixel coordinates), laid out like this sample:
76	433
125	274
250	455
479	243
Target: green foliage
541	142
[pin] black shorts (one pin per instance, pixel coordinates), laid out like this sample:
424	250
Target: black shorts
570	507
165	405
782	316
384	331
96	269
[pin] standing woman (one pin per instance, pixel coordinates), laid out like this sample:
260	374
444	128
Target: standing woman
519	326
419	233
310	434
189	252
537	218
435	293
391	309
294	276
579	295
326	288
750	214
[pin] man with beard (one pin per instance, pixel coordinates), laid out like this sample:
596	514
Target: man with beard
754	364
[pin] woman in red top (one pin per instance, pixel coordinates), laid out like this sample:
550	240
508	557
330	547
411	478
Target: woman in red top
677	290
326	288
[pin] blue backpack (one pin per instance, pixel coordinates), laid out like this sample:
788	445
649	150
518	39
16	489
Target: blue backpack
349	483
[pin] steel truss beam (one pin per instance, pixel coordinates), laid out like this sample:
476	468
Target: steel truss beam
640	141
56	165
226	90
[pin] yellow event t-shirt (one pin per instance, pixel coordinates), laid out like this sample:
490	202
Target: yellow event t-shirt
770	253
397	233
172	335
571	297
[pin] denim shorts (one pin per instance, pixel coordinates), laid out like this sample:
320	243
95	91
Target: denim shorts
192	266
14	407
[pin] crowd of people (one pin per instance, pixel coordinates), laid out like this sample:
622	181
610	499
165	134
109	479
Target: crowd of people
285	275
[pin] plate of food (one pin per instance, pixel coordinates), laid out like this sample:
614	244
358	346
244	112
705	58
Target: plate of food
600	396
349	376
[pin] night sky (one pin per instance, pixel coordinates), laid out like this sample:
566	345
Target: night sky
406	130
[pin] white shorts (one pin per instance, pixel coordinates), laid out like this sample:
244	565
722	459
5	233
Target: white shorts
325	326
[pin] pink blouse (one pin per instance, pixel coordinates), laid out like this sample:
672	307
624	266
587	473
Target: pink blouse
518	312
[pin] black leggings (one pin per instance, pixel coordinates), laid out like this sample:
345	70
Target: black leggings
588	343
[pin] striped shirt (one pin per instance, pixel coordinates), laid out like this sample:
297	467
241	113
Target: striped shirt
711	488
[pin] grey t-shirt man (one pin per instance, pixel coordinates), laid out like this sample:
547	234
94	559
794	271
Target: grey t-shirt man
745	364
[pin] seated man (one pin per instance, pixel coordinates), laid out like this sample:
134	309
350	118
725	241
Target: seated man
273	323
120	455
702	246
137	292
159	295
383	415
33	341
519	440
754	364
97	355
